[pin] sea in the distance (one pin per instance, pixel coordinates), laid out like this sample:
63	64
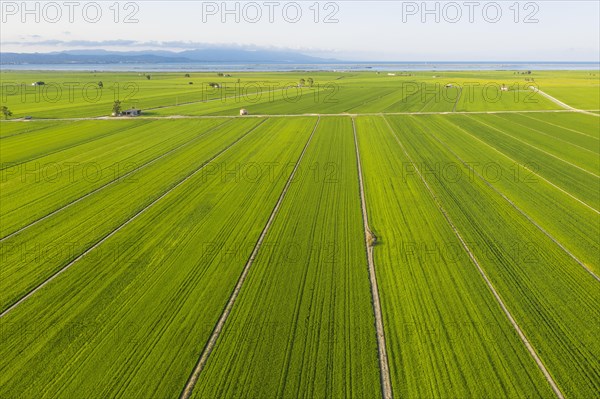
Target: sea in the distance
338	67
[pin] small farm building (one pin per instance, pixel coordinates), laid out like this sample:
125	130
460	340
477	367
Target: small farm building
132	112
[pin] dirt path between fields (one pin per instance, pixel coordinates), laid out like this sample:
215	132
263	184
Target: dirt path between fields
560	103
210	345
491	287
370	240
120	118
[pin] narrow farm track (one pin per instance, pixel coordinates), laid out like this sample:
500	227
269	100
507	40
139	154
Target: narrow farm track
127	222
386	384
121	178
107	118
529	218
190	384
537	148
534	173
562	104
474	260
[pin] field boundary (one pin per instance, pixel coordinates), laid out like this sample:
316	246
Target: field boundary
106	237
110	118
560	103
386	385
109	183
523	213
210	345
474	260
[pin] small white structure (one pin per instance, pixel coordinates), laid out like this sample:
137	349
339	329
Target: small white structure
38	83
132	112
504	88
391	74
449	85
243	112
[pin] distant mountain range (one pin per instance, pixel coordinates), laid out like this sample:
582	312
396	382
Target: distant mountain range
161	57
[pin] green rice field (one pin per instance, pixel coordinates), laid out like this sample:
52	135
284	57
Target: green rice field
367	235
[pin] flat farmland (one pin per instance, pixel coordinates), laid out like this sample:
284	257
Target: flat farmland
317	339
357	235
512	257
144	268
424	274
78	95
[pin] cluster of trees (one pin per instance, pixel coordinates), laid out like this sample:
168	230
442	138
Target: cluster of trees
6	112
303	82
116	107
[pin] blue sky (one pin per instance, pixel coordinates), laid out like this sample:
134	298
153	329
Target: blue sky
356	30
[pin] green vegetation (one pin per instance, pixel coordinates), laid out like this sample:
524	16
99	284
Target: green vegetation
150	292
301	319
513	251
123	239
442	325
78	94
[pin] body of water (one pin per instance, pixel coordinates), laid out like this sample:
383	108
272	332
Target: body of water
241	67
